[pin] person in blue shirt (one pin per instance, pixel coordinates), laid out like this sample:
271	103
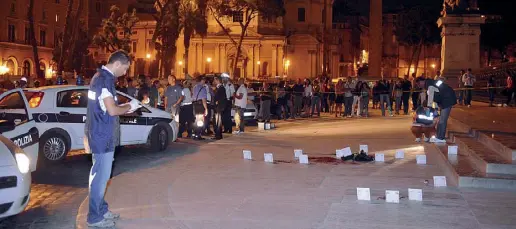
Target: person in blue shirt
102	134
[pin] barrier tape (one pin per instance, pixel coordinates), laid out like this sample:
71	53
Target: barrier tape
455	89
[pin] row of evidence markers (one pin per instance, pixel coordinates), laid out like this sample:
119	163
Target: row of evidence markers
391	196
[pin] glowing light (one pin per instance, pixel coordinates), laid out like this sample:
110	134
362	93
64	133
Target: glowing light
208	59
180	63
433	65
258	62
148	56
200	123
4	69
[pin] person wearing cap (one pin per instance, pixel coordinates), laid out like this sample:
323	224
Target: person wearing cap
444	96
23	82
173	96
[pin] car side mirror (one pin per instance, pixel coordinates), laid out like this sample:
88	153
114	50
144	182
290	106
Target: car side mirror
6	125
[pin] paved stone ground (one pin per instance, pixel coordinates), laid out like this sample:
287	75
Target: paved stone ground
498	122
58	189
215	188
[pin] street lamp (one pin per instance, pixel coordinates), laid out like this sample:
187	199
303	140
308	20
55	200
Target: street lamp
4	69
148	56
287	64
180	63
433	66
209	61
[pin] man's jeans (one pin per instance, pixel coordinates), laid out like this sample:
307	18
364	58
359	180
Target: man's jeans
398	104
469	95
384	98
405	99
239	118
461	97
298	103
443	122
99	176
316	105
265	110
348	105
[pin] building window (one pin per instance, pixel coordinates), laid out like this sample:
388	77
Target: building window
44	15
27	35
56	40
134	46
323	14
151	32
13	7
121	33
11	33
57	17
97	6
341	58
301	14
58	1
26	68
134	32
42	38
238	16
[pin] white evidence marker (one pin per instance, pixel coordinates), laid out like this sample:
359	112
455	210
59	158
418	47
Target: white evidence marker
303	159
339	153
379	157
439	181
267	126
364	148
346	152
297	153
415	194
453	150
400	154
421	159
364	194
268	157
247	154
392	196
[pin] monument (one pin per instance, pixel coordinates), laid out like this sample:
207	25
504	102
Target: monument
375	39
460	31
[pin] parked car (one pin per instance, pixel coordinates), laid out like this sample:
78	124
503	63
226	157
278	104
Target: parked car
59	114
15	167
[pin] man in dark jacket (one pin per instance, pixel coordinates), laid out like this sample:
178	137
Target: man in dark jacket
102	132
406	86
445	97
221	102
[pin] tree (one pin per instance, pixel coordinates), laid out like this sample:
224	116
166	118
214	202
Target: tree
67	30
108	37
193	20
243	12
77	51
166	34
416	27
34	42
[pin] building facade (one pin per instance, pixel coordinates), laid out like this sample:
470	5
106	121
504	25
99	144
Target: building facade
49	21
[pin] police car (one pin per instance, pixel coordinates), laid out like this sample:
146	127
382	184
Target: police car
16	165
59	114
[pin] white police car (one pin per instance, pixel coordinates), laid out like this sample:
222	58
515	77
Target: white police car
59	113
15	166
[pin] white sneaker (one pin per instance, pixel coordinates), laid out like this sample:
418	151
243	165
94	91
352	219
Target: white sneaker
418	139
111	215
437	140
426	139
104	223
236	132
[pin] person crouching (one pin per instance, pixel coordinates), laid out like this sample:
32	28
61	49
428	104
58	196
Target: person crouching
425	121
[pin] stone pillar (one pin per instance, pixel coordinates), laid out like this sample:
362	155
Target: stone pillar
375	38
224	59
257	58
281	61
460	48
274	60
216	61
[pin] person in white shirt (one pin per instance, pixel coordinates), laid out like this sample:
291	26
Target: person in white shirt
469	81
186	117
240	105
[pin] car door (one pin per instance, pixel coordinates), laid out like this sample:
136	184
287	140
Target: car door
71	108
14	108
133	126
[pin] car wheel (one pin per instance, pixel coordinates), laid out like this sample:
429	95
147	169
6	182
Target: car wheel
159	138
54	147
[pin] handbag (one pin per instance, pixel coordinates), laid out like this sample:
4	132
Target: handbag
198	106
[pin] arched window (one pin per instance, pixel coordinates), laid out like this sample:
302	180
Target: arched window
26	68
265	65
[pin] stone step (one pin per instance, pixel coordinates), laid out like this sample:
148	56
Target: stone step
497	142
483	158
467	174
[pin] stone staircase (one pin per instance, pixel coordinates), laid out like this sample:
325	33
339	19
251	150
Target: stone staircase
481	162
